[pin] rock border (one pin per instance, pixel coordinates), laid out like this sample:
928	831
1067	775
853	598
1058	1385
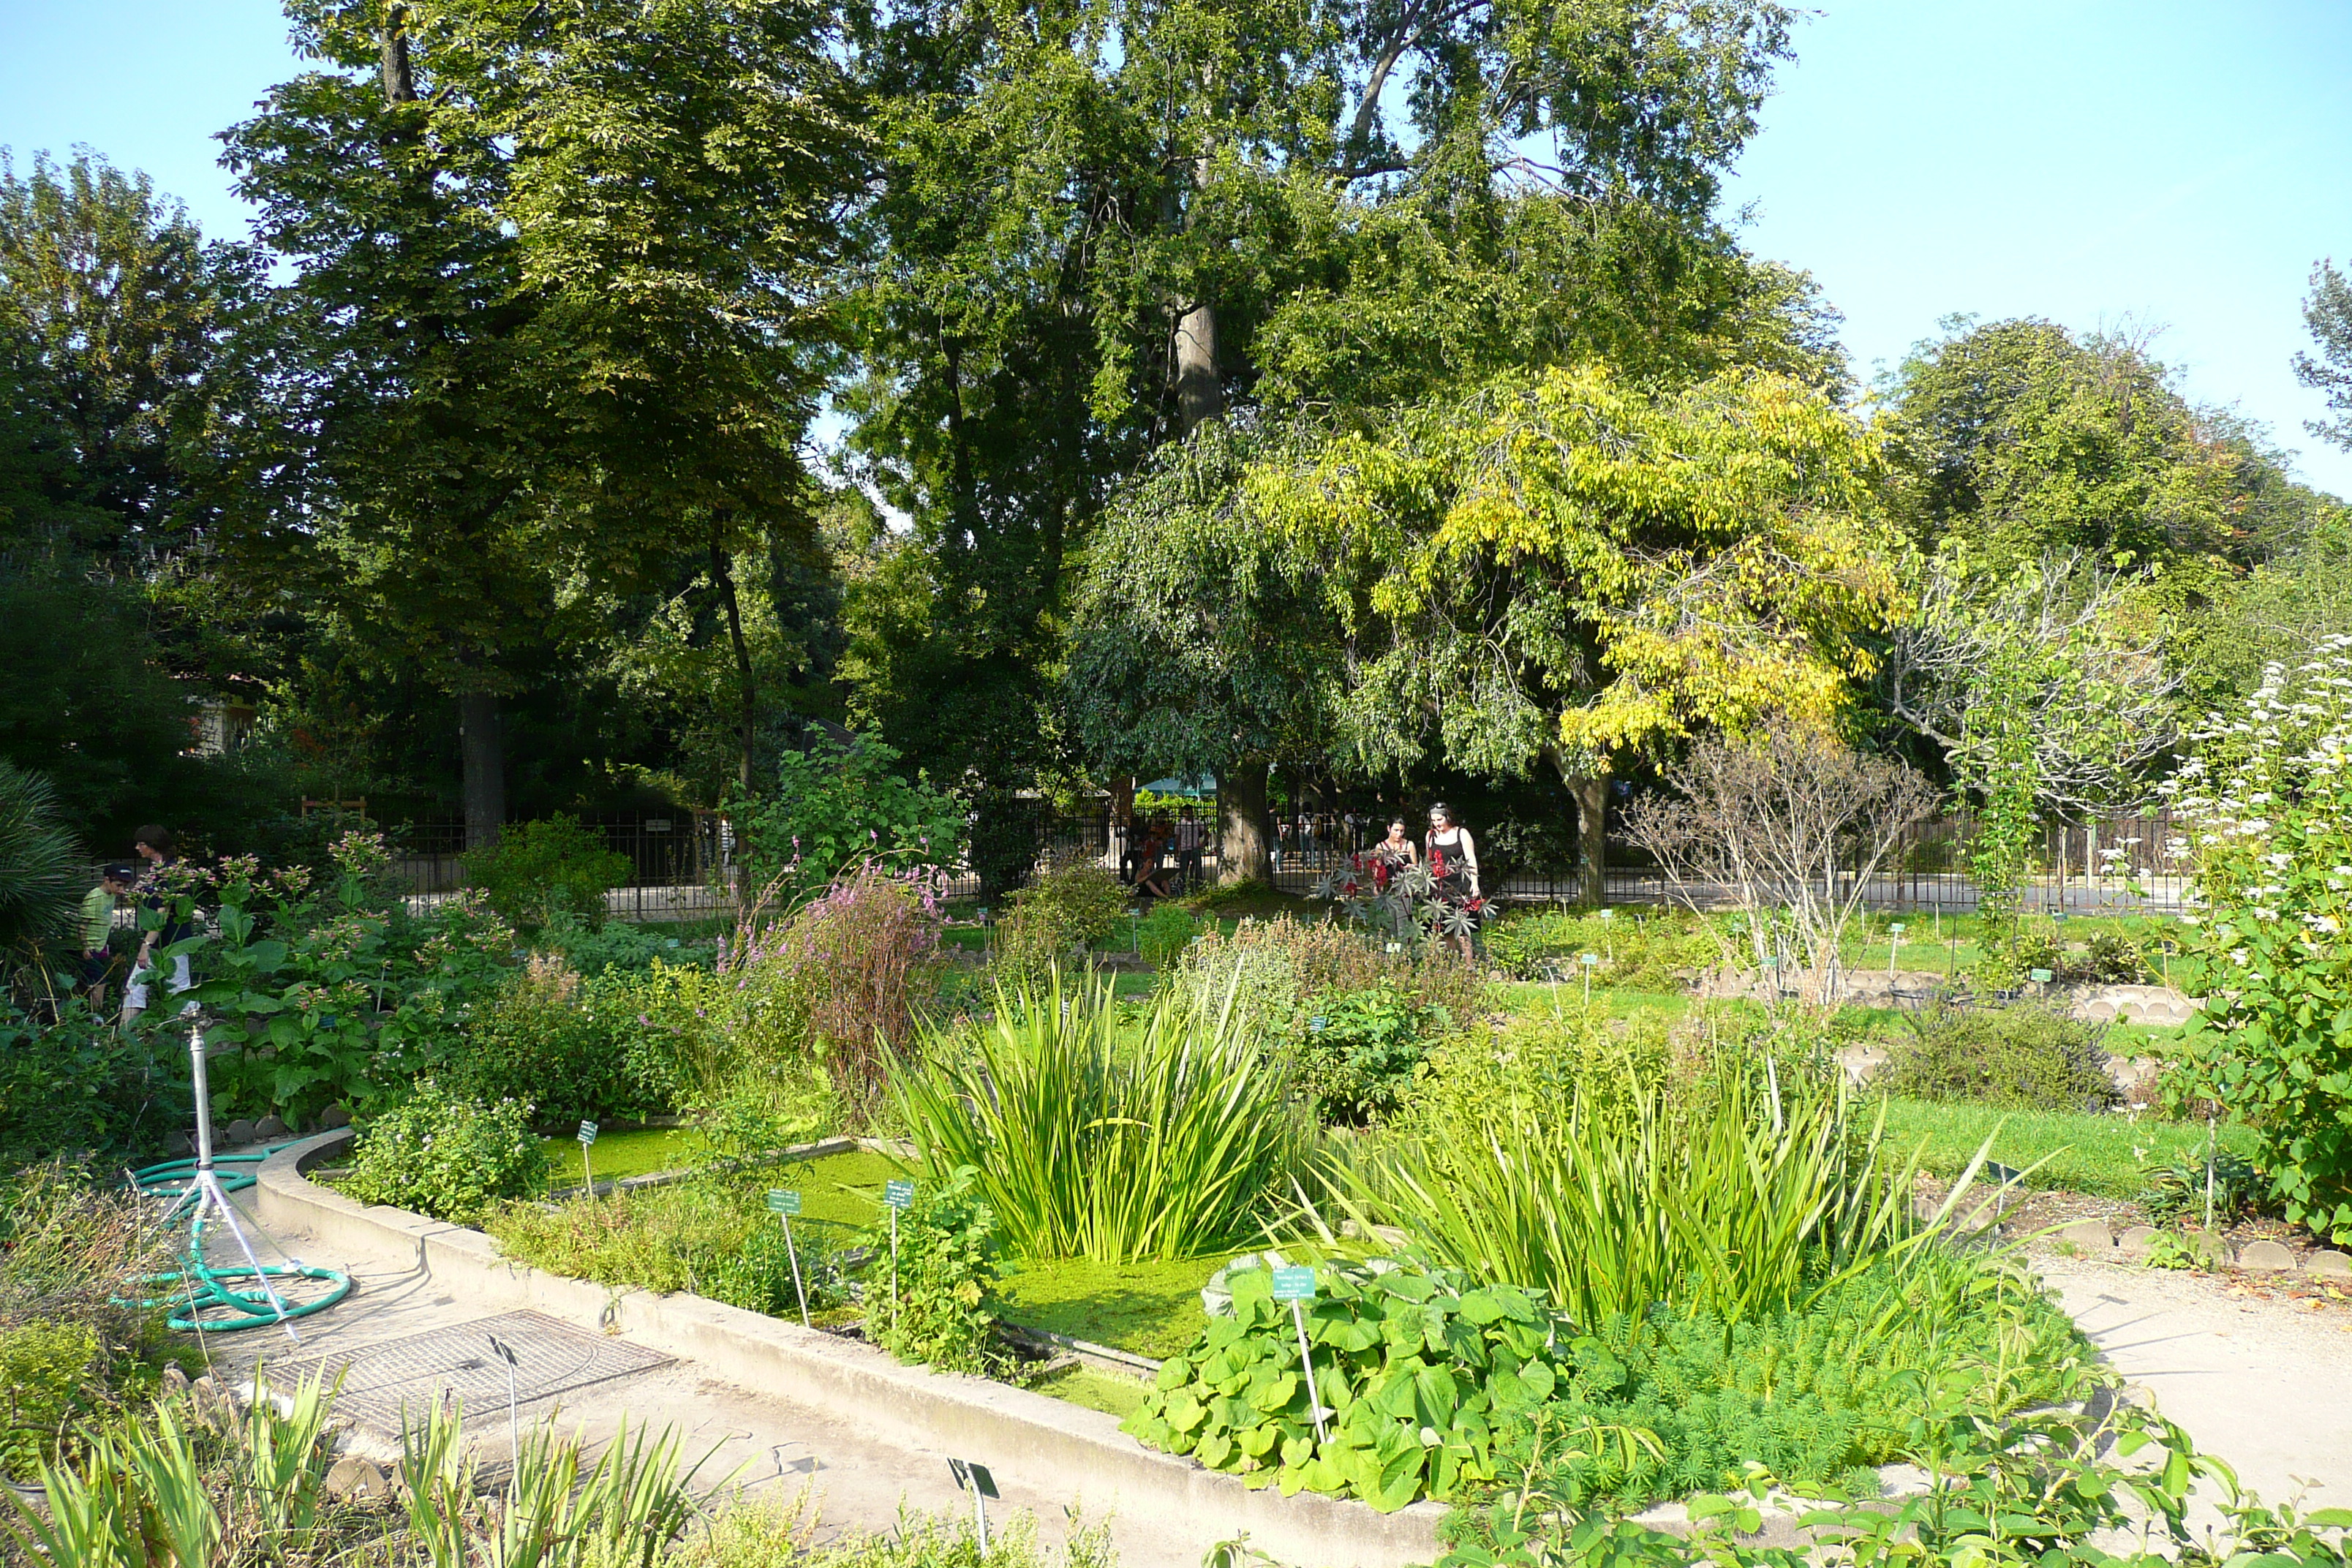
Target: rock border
1077	1454
2098	1240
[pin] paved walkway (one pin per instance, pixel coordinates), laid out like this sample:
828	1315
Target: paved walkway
2265	1383
771	1448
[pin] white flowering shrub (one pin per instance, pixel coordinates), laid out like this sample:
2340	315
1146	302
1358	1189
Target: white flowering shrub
2266	804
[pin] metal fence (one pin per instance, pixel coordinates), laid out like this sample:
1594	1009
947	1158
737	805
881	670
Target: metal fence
683	867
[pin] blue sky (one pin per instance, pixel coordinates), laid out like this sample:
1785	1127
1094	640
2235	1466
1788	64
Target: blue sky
2110	163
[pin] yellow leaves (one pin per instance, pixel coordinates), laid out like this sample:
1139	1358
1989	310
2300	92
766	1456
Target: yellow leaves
1721	550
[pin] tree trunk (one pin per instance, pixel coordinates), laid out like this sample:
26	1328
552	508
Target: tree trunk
1200	396
1592	792
482	744
722	576
1242	840
399	80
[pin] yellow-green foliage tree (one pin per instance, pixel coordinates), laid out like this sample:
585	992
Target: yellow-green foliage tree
1570	568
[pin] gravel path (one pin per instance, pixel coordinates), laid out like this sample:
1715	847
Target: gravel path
2261	1380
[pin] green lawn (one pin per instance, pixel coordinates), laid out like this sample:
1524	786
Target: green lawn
1108	1392
2103	1156
1150	1309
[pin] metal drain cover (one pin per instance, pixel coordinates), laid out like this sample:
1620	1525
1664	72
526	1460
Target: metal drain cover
459	1363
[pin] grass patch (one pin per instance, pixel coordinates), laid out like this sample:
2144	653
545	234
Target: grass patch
842	1190
1149	1308
2102	1155
1539	999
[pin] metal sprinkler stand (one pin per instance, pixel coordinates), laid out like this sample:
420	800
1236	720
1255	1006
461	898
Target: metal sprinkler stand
209	1299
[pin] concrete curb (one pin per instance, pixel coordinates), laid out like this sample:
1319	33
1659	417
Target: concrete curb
1010	1429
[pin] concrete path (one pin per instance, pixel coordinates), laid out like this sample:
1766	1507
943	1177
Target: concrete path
2265	1383
771	1448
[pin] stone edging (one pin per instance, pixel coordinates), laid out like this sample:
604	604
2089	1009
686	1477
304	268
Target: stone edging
2095	1238
1077	1453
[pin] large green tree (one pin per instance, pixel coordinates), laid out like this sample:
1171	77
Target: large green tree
2327	311
1571	569
1104	223
2018	439
551	331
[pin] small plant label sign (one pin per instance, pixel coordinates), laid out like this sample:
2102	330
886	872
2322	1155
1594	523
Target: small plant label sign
1297	1286
969	1474
587	1134
896	1195
899	1195
784	1203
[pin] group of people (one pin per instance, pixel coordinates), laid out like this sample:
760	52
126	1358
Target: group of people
1163	854
120	880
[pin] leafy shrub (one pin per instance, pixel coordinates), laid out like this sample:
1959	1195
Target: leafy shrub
46	1373
2266	805
450	1157
1477	1077
1168	1137
71	1348
538	871
945	1312
1417	1367
78	1086
1361	1049
835	807
758	1276
2176	1193
2023	1057
557	1042
1815	1394
1161	936
1264	962
616	944
1054	918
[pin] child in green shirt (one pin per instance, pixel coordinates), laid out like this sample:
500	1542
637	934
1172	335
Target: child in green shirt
98	926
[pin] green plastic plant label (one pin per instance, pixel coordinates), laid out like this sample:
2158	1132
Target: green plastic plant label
1293	1284
783	1201
899	1195
587	1134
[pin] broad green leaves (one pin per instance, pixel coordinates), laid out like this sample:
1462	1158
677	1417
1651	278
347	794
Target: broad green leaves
1415	1368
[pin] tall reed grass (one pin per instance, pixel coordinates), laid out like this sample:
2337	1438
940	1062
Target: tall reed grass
1158	1134
1740	1193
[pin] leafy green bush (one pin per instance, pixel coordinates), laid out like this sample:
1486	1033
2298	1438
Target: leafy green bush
1272	965
616	944
758	1276
46	1371
2023	1057
833	806
1094	1137
78	1086
453	1159
2176	1193
945	1308
1054	918
557	1042
1161	936
538	871
72	1348
1417	1368
1360	1051
2004	1487
2266	805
